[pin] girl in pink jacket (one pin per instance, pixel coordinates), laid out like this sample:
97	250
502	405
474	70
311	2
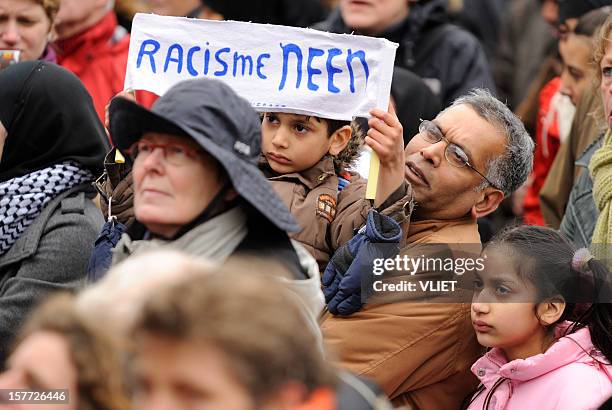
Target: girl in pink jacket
546	312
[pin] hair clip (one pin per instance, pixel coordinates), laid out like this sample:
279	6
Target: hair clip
580	259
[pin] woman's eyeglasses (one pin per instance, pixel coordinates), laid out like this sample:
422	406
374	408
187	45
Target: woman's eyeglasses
175	153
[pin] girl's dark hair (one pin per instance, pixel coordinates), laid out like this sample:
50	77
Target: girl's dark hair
544	258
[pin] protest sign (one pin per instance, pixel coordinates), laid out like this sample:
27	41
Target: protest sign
276	68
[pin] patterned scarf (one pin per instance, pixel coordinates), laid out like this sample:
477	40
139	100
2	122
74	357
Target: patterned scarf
23	198
600	168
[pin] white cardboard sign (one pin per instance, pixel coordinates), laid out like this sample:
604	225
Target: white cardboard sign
276	68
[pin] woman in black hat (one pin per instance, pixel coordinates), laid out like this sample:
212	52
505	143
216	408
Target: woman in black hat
197	187
51	146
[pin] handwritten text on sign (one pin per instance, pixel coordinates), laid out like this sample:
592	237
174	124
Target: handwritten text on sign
274	67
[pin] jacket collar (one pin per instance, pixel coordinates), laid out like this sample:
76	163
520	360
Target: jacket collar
568	349
420	230
85	41
584	158
311	177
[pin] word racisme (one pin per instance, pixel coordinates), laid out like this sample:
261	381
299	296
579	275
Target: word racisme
337	65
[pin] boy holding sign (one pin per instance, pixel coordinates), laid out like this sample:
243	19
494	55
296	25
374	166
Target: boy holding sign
306	158
308	85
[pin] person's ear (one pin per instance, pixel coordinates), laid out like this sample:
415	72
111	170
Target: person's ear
488	201
3	135
230	195
550	310
340	139
51	35
290	395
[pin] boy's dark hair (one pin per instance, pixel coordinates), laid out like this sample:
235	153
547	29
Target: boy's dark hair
544	257
350	153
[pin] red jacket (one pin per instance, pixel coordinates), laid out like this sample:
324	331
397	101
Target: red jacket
98	56
546	150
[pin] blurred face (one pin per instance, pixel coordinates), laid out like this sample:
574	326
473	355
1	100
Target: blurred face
75	16
575	52
372	17
41	362
441	190
606	83
173	7
293	143
182	375
504	309
550	12
173	186
24	26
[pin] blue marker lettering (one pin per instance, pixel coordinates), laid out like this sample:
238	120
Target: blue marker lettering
220	73
190	53
206	59
331	70
362	57
178	60
260	65
312	53
287	50
243	59
150	53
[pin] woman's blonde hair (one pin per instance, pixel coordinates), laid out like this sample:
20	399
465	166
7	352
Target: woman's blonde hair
51	8
600	43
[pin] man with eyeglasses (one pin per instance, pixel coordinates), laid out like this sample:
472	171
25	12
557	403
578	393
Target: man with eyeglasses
461	165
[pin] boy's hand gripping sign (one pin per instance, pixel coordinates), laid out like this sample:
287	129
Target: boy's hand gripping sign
276	68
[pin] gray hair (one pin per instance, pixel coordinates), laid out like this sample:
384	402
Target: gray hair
510	170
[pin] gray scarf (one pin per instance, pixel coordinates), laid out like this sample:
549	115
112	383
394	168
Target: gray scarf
215	239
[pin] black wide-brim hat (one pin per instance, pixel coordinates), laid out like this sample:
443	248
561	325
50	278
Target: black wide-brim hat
221	122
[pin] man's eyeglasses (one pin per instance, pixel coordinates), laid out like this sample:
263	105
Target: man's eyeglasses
454	154
175	153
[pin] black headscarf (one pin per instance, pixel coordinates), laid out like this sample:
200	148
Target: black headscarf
577	8
50	118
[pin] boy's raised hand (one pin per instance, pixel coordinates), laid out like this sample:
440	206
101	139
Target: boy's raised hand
129	94
386	138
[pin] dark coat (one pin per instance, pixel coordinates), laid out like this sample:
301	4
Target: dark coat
51	255
482	18
414	101
448	58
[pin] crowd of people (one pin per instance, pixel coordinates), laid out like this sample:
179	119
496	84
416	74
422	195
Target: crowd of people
184	251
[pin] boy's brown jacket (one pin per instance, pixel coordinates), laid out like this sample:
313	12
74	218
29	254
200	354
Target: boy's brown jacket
328	218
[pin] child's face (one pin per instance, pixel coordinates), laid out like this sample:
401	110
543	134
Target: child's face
504	308
292	142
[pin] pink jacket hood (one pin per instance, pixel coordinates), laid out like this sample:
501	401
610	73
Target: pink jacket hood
568	375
